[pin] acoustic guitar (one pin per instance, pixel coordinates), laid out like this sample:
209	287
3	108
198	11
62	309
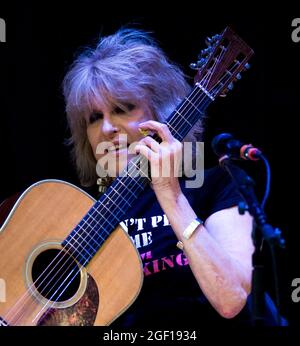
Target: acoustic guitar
65	260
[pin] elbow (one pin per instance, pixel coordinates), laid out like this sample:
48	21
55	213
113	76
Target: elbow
232	307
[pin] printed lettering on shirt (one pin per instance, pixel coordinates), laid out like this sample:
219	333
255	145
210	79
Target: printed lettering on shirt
142	239
142	232
130	222
136	225
164	263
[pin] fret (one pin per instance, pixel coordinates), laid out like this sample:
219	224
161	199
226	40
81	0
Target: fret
103	205
92	217
73	249
95	236
92	223
79	247
191	103
190	110
112	201
205	91
92	233
173	130
184	119
140	172
87	222
140	163
74	245
121	197
84	238
133	194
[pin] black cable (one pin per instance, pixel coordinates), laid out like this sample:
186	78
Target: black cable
268	181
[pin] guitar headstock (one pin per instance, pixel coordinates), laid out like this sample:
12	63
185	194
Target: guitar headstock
222	62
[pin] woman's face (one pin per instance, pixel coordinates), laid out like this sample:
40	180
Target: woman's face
113	132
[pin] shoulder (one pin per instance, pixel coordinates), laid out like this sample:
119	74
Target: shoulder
215	174
215	180
217	192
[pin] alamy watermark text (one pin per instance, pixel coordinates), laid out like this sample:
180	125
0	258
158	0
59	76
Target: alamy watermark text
2	30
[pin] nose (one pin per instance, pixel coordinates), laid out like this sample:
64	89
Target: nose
109	127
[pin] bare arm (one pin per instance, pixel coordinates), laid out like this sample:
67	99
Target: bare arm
219	253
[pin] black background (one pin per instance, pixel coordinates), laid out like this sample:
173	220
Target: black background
262	109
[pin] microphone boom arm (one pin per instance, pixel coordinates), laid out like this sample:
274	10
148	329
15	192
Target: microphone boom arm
245	186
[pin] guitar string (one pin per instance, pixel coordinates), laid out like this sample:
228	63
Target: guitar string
85	220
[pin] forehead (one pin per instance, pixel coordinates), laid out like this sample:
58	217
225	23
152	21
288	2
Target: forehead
105	101
103	90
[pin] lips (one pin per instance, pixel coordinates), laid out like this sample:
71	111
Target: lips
116	147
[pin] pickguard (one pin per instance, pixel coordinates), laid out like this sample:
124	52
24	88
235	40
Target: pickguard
82	313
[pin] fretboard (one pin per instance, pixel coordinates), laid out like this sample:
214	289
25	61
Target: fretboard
102	219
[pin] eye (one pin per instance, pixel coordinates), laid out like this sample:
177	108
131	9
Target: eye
119	110
129	106
95	116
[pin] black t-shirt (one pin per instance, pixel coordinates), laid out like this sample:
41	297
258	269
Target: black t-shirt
170	295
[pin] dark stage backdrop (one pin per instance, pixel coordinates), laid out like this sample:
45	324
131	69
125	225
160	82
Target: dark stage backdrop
262	109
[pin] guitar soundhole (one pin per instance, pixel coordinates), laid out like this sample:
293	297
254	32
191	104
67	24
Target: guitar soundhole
56	275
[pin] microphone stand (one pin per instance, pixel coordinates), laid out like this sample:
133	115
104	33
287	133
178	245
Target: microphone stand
262	230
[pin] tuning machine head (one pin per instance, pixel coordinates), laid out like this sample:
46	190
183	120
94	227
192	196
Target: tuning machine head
197	65
212	41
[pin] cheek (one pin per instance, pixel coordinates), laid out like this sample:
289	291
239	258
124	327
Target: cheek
133	132
132	127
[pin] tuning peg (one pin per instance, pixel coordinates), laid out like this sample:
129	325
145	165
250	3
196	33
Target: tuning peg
208	41
193	66
204	52
197	65
216	38
238	76
201	62
247	66
230	86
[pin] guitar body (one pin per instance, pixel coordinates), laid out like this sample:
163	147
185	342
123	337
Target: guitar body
40	220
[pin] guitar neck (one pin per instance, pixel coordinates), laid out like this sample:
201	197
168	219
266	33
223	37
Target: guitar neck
189	111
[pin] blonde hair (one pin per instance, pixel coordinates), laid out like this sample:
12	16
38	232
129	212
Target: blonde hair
123	68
